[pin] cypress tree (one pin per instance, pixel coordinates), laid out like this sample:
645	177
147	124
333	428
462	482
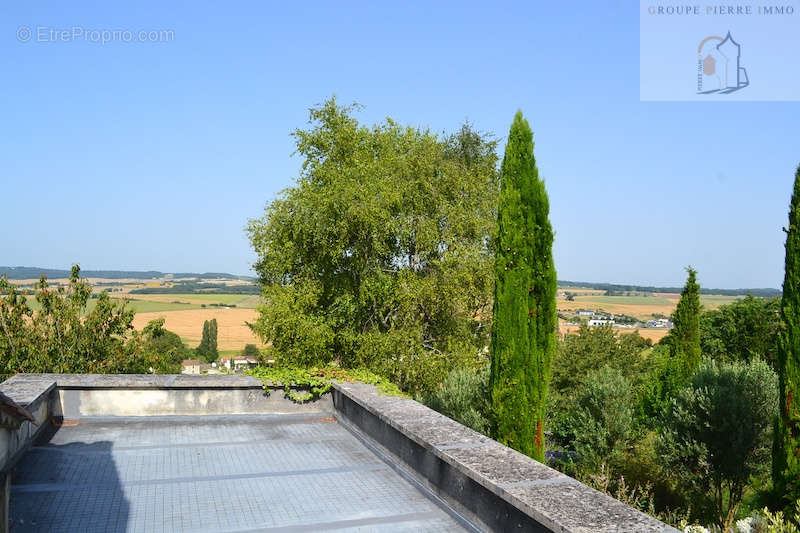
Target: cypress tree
213	353
685	335
786	443
684	350
203	349
525	321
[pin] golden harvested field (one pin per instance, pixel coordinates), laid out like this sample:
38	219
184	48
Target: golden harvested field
639	310
232	334
580	290
654	334
642	307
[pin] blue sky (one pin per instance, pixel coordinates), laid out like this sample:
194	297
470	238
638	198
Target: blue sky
154	155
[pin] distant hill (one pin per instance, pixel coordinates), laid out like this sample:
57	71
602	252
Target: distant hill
763	292
53	273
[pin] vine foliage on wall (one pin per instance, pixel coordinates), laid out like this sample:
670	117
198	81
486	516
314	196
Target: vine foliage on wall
303	385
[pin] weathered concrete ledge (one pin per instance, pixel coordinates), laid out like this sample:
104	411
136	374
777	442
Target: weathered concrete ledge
16	439
73	396
489	483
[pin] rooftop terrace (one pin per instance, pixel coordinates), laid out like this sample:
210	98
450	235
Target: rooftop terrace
209	473
192	453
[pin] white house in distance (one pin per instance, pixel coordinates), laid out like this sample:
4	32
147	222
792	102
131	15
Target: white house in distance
600	321
238	362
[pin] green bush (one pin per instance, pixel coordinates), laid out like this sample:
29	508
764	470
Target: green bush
716	434
251	350
464	397
603	417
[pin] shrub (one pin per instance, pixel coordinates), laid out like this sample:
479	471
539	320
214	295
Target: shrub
716	434
603	417
464	397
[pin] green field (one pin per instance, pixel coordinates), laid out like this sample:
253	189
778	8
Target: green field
246	301
140	306
715	300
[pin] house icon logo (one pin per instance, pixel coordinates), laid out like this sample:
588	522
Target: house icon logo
719	69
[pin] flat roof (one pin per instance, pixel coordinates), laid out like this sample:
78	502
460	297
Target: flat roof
276	473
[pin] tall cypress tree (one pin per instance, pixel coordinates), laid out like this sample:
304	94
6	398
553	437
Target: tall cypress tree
213	353
786	443
525	320
684	350
208	343
685	336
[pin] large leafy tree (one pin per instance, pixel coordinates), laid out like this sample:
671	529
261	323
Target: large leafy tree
525	321
742	330
786	445
380	255
63	335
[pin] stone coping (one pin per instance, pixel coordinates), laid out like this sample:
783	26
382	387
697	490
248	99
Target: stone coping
553	499
27	388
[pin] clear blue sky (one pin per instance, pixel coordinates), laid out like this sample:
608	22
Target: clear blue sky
154	155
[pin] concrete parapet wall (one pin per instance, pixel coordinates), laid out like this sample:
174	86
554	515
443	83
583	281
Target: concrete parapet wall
15	439
75	396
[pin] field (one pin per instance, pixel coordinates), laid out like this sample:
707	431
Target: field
654	334
641	307
248	301
184	314
232	334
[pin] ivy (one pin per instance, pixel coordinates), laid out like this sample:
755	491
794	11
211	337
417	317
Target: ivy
303	385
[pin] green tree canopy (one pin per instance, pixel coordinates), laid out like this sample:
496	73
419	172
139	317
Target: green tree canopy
379	256
717	434
208	343
684	337
251	350
742	330
63	333
786	452
683	343
591	349
604	417
525	320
